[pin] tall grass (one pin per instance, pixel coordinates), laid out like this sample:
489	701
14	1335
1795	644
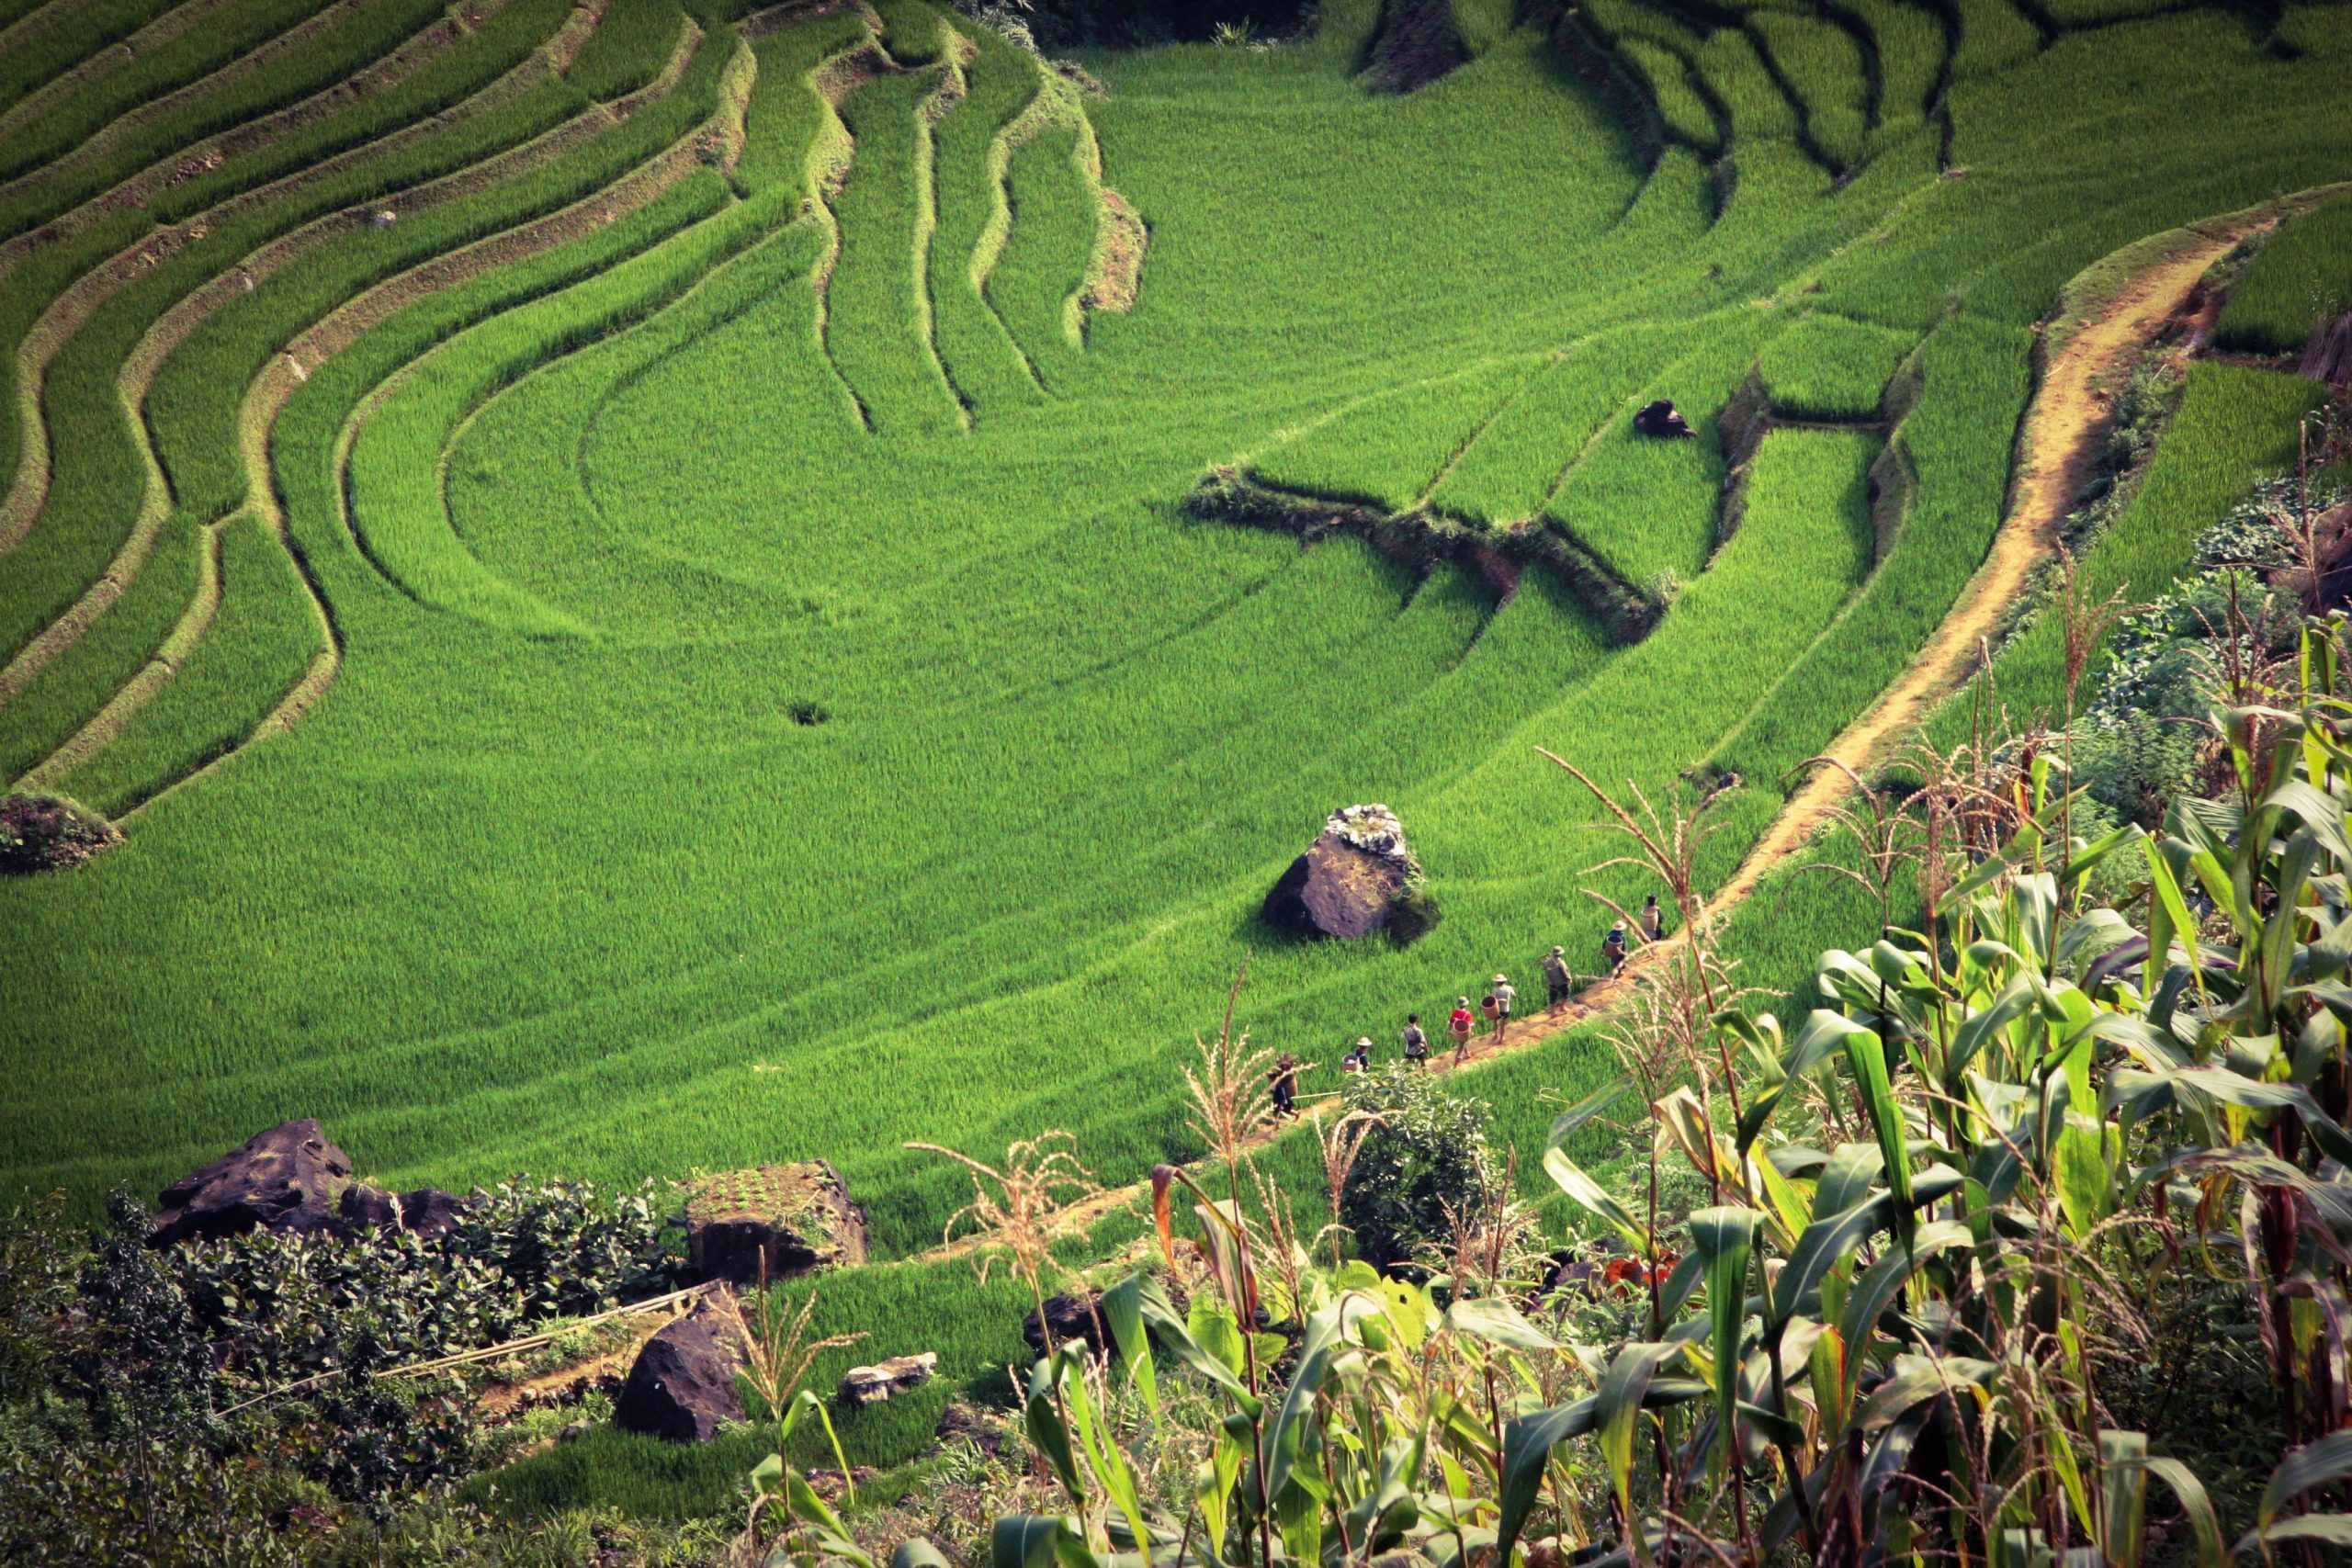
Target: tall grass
1827	368
1044	263
606	907
1518	459
48	52
2300	280
262	638
152	74
983	362
1393	447
878	302
1993	35
1648	506
625	51
1823	66
1667	76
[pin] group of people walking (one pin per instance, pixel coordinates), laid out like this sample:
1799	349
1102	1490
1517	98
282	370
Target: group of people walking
1495	1008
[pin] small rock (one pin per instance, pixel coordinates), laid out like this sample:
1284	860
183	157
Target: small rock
428	1210
871	1385
383	219
47	832
963	1421
366	1207
682	1385
284	1179
780	1220
831	1484
1071	1317
575	1432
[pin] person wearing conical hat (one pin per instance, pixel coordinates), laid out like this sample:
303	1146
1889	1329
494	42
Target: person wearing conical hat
1613	947
1504	994
1285	1078
1557	979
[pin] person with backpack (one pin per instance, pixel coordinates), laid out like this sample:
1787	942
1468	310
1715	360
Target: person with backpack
1504	994
1557	979
1459	1026
1416	1042
1285	1085
1359	1056
1491	1010
1653	920
1613	947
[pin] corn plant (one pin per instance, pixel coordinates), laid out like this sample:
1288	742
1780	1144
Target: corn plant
1895	1344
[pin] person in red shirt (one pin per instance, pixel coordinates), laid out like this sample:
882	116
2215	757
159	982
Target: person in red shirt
1460	1024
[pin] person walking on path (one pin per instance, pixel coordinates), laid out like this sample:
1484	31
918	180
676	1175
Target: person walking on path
1653	920
1491	1010
1504	994
1417	1042
1285	1085
1460	1025
1359	1056
1613	947
1557	979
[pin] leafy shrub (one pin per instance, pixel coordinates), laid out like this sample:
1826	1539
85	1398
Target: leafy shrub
1425	1156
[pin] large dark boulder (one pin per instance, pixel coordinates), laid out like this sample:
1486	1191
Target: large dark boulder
791	1218
428	1211
285	1179
1072	1315
1348	881
682	1385
366	1207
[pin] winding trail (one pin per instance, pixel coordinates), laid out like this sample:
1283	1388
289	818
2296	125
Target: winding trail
2056	453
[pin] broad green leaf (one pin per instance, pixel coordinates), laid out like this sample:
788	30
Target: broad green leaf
1122	1312
1024	1540
1528	1442
1326	1333
2315	1464
1495	1320
2189	1492
1160	1313
1572	1181
2124	1495
1723	1237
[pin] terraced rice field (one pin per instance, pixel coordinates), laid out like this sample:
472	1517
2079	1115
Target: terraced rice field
627	569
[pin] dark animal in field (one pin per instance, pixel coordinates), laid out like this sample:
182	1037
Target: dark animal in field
1662	418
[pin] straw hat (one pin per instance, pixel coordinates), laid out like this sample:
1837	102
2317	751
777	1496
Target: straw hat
1558	952
1499	980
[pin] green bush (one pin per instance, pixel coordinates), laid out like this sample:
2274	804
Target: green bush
1424	1162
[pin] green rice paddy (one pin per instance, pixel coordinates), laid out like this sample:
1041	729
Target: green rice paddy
631	587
